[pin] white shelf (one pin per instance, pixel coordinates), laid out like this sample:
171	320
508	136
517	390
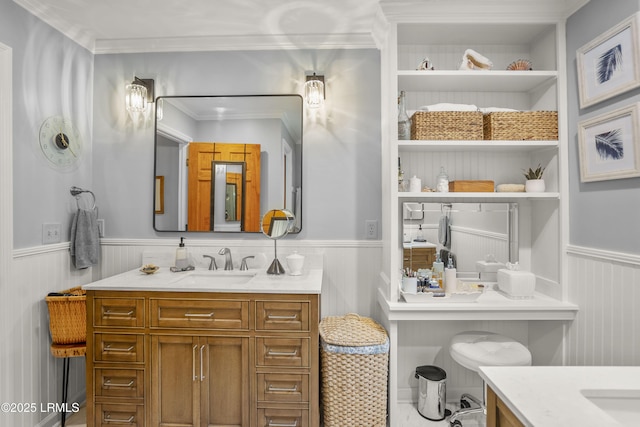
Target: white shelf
474	81
452	196
490	306
475	145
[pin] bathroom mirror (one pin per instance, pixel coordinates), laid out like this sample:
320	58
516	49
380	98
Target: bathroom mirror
263	131
469	231
276	224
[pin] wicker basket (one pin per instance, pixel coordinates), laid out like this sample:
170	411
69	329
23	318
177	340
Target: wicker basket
355	357
68	316
446	125
521	125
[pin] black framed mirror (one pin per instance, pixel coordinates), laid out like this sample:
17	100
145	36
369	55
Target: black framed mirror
264	132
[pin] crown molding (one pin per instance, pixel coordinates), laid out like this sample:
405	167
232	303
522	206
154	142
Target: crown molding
231	43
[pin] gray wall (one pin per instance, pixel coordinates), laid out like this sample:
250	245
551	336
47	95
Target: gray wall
341	154
603	215
51	76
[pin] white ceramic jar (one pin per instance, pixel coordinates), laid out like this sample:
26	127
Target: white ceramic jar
295	262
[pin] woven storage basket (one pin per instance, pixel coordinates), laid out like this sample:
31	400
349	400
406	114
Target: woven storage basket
521	125
355	357
446	125
68	316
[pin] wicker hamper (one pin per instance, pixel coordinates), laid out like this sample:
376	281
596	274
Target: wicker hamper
355	356
446	125
521	125
68	316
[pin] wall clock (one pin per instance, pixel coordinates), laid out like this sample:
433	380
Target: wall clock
60	142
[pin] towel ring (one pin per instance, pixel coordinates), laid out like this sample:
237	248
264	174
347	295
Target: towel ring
77	191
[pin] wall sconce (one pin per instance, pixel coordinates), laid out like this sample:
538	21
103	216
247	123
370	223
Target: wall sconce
138	94
314	91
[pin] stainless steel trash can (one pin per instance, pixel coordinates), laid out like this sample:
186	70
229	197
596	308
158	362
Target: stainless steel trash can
432	392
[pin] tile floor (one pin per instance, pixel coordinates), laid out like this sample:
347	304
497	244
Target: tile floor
79	419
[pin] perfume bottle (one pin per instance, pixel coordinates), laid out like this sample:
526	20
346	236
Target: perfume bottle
404	122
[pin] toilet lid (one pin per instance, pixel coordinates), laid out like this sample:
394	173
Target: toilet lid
474	349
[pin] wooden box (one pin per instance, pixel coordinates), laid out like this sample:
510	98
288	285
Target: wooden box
471	186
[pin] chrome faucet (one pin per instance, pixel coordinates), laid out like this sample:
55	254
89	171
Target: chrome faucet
228	262
212	263
243	265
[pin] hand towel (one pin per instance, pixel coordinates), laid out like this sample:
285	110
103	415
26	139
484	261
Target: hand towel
487	110
85	238
446	106
444	232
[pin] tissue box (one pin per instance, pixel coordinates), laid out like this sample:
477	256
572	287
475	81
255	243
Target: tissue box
488	270
516	283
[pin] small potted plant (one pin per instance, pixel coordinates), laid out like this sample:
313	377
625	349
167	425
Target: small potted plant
534	183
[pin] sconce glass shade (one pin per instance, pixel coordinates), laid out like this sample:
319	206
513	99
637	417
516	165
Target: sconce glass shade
135	97
159	109
314	91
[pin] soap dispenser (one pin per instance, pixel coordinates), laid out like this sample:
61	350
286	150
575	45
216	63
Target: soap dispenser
182	256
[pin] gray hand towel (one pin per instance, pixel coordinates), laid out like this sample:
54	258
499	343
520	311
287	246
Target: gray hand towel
85	238
444	232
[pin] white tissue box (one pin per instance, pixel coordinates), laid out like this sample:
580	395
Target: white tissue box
488	270
516	283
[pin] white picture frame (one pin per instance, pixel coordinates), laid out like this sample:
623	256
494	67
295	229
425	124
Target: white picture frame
609	146
609	64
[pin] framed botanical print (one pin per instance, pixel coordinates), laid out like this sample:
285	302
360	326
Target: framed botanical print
609	64
609	146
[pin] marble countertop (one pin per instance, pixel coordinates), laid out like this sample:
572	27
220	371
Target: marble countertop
549	396
203	280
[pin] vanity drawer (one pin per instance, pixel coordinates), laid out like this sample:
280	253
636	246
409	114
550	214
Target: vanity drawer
111	415
283	388
282	315
119	312
119	383
119	348
286	352
209	314
271	417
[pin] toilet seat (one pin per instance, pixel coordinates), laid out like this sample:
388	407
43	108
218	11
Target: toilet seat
479	348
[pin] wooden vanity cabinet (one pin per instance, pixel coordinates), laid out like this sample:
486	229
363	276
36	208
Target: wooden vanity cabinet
202	359
498	414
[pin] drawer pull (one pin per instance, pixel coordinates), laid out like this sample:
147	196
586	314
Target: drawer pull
279	424
108	383
119	350
283	389
278	317
119	313
283	353
108	419
207	315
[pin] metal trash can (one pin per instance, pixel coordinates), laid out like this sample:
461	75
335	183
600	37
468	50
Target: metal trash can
432	392
354	367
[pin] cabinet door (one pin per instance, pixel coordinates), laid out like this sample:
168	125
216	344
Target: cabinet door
175	381
225	381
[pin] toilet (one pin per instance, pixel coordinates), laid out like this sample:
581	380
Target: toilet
473	349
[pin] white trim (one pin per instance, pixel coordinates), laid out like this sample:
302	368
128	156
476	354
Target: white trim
171	242
172	134
604	255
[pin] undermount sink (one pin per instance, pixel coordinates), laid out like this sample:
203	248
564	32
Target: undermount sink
214	278
622	405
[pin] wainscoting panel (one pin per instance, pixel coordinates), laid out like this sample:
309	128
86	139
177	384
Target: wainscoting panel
606	286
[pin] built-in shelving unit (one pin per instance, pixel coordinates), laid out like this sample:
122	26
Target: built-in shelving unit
509	36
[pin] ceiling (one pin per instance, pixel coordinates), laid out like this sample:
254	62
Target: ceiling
120	26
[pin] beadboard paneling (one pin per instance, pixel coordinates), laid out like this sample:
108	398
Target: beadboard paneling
606	287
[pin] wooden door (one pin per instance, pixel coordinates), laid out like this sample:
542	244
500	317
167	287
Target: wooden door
175	381
201	156
225	391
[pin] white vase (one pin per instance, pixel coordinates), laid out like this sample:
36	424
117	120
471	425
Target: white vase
534	186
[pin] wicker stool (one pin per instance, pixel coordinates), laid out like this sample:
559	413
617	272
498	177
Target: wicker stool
66	352
67	325
355	357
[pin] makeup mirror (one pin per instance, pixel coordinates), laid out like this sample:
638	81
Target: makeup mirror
276	224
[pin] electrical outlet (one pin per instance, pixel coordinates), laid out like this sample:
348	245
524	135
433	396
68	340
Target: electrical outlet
101	228
371	229
51	233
